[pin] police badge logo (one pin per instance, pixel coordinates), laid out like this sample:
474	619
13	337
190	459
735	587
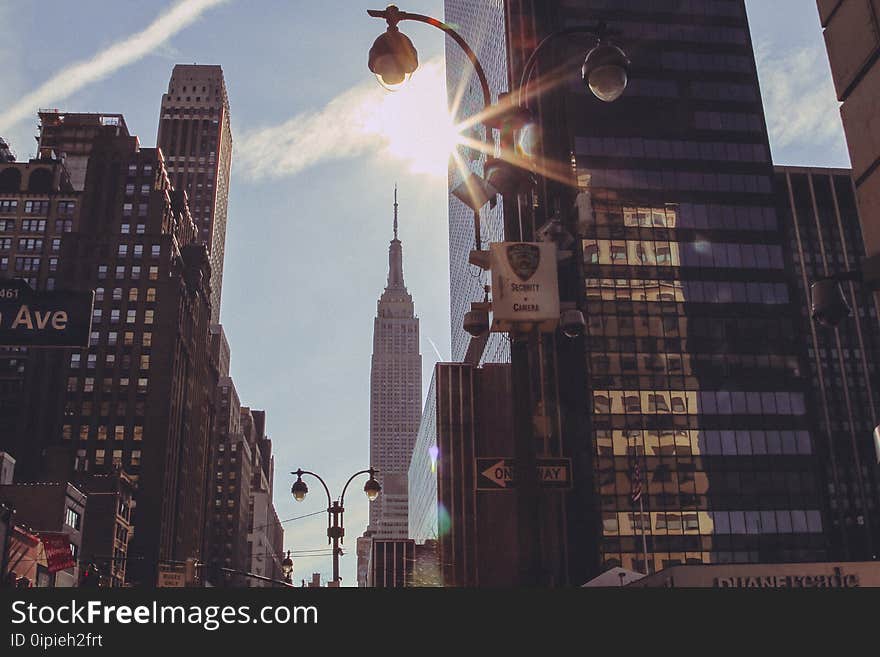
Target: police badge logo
524	259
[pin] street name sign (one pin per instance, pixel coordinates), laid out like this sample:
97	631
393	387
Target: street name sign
55	318
500	473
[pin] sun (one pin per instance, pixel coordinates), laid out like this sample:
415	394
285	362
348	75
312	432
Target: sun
414	123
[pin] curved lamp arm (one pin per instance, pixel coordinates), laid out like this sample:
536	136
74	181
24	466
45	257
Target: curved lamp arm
299	473
370	471
393	15
599	31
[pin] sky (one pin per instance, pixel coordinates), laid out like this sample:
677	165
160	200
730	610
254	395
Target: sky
318	148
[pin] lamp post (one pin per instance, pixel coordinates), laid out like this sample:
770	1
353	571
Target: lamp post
287	568
605	70
335	509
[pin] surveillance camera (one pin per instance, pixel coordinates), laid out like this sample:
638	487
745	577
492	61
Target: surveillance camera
573	323
476	322
829	306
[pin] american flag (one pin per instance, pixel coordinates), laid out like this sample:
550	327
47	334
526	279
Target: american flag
636	489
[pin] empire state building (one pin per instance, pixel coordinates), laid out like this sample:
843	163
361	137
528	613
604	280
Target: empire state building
395	396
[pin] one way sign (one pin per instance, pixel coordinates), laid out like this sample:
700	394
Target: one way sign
499	473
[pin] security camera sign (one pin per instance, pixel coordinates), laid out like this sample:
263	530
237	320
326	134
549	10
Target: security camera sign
525	288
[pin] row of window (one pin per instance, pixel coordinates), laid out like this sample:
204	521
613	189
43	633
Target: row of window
138	250
699	61
687	291
678	7
86	406
688	364
102	431
144	189
693	32
133	292
780	521
122	271
688	215
113	338
130	316
671	149
107	384
699	90
109	359
133	169
733	121
35	225
697	402
668	179
638	253
625	442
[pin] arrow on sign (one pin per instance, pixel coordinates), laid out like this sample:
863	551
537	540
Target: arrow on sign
499	474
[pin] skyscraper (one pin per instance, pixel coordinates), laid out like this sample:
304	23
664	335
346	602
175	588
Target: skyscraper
482	26
687	369
395	396
135	398
196	138
819	211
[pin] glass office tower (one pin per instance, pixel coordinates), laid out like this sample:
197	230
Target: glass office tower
693	373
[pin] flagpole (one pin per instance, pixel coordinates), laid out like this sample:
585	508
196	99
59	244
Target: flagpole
644	540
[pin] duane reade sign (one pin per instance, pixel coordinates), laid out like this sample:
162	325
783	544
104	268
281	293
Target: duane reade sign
525	287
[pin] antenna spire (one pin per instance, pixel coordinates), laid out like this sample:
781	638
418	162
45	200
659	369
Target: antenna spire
395	211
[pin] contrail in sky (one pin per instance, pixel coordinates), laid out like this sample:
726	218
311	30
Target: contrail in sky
436	350
130	49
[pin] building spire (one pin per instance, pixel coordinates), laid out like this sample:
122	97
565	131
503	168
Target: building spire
395	211
395	255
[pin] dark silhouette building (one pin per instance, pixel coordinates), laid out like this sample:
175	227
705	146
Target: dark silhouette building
819	210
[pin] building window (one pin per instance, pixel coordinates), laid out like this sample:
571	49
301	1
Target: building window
151	294
135	457
72	518
99	456
148	316
119	432
147	340
130	316
138	432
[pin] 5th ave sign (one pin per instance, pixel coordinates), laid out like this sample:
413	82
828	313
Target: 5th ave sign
56	318
499	474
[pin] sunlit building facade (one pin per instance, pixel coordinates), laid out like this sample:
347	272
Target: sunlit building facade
195	135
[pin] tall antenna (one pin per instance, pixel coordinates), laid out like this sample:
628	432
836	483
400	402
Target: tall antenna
395	211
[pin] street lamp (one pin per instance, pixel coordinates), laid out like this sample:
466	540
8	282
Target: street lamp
335	510
606	72
287	568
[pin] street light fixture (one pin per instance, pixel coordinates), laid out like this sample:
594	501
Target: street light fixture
335	510
287	568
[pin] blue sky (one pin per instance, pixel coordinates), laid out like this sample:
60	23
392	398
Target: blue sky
306	255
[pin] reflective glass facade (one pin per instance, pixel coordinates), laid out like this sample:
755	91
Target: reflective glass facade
692	372
482	26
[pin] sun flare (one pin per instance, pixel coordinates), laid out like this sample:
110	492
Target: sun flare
414	122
